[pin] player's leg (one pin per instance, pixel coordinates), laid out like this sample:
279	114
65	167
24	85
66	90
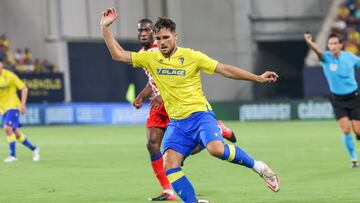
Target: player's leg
25	141
343	115
344	124
226	132
355	124
156	125
354	115
176	147
11	139
11	123
234	154
179	182
356	128
154	138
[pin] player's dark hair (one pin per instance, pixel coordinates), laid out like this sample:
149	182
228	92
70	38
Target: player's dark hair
335	35
145	20
163	22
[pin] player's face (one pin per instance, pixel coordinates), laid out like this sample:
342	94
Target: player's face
145	34
334	45
166	41
1	66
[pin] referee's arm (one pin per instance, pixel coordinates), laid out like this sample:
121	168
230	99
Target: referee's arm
313	46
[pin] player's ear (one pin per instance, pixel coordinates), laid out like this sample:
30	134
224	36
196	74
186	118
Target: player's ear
176	36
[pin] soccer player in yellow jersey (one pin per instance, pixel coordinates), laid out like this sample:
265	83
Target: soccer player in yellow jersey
10	109
176	71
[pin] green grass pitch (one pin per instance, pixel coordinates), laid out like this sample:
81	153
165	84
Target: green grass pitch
110	164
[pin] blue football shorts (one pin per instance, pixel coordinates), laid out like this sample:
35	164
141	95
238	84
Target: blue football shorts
184	135
11	119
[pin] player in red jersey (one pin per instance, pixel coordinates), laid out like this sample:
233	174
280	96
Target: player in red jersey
158	118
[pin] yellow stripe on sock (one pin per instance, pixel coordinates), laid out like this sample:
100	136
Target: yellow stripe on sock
22	138
175	176
232	152
11	138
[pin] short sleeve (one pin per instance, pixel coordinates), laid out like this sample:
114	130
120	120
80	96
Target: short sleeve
356	60
325	57
17	82
205	63
140	59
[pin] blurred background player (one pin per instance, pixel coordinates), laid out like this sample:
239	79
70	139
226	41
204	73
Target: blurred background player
10	109
339	69
192	120
158	118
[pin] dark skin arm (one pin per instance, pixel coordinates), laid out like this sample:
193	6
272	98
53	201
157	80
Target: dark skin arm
142	95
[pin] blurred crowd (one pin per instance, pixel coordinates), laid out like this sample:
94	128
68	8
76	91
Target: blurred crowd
21	60
347	24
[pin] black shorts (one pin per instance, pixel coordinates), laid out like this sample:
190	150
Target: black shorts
346	105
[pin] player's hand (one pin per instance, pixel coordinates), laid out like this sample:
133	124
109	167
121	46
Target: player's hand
137	103
108	17
268	76
22	109
156	101
308	37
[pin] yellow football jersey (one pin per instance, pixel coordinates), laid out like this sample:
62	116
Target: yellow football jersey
9	84
178	79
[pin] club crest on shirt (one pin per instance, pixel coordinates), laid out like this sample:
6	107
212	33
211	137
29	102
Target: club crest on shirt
333	67
181	60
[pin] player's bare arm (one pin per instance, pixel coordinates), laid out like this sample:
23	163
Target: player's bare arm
156	101
142	95
233	72
117	52
309	41
24	95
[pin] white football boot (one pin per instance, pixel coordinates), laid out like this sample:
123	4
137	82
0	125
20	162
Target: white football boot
10	159
271	179
36	154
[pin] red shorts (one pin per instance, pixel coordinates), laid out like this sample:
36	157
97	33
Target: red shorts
158	118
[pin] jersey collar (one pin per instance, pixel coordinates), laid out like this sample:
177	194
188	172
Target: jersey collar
174	53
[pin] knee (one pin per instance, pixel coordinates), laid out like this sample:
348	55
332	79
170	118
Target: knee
171	161
8	130
216	149
167	164
153	145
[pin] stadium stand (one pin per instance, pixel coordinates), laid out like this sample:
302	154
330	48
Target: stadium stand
21	60
347	23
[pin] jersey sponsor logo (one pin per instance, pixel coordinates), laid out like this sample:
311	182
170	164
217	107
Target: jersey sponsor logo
170	71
